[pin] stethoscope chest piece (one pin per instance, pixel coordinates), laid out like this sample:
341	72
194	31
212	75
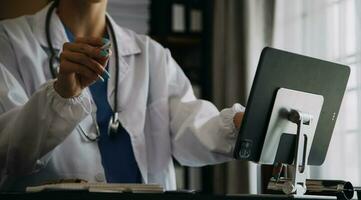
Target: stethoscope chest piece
114	124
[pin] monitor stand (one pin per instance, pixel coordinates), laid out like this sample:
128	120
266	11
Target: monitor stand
300	170
290	133
279	143
296	185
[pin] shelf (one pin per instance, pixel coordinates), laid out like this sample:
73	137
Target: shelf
179	41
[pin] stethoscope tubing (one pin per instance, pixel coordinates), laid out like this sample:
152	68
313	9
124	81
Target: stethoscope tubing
114	121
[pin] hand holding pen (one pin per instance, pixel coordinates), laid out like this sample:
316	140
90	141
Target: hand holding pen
81	63
105	54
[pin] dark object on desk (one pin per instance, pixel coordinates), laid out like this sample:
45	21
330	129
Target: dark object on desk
277	69
65	181
181	191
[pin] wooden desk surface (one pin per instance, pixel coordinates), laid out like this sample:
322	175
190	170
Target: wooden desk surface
80	195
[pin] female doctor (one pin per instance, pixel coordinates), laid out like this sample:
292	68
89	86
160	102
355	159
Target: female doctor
63	116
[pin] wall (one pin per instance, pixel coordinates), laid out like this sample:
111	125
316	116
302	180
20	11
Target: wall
14	8
132	14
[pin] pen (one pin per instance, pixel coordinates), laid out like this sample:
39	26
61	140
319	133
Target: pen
105	47
101	78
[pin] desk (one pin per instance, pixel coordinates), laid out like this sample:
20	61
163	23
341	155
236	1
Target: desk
83	195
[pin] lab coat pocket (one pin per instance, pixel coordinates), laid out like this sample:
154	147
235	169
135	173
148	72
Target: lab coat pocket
77	155
158	136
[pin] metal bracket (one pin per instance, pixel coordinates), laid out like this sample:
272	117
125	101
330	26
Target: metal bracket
295	113
298	185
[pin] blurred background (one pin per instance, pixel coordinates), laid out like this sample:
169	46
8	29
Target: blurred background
218	44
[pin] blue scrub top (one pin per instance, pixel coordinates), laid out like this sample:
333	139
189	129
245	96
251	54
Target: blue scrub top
116	151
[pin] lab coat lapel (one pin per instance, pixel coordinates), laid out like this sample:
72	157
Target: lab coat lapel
127	47
56	30
57	34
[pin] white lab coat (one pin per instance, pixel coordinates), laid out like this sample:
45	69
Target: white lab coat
39	138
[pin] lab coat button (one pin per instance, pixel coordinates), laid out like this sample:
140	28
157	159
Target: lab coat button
100	177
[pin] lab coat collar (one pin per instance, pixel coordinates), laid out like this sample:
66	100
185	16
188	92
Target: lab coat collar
126	43
57	31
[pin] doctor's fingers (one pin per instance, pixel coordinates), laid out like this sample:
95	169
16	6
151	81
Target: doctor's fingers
91	51
102	54
93	41
68	67
84	60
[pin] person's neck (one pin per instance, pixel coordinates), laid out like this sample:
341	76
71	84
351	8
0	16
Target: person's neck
82	18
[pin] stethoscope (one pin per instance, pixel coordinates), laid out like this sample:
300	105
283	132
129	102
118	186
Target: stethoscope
114	122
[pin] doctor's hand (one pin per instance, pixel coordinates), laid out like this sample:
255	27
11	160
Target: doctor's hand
81	63
237	119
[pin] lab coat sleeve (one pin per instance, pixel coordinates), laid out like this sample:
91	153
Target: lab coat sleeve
31	127
201	135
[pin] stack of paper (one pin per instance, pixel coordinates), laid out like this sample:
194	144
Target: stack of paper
99	187
132	14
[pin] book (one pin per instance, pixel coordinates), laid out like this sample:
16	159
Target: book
98	187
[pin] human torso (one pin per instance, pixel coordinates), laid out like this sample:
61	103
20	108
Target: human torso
143	107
